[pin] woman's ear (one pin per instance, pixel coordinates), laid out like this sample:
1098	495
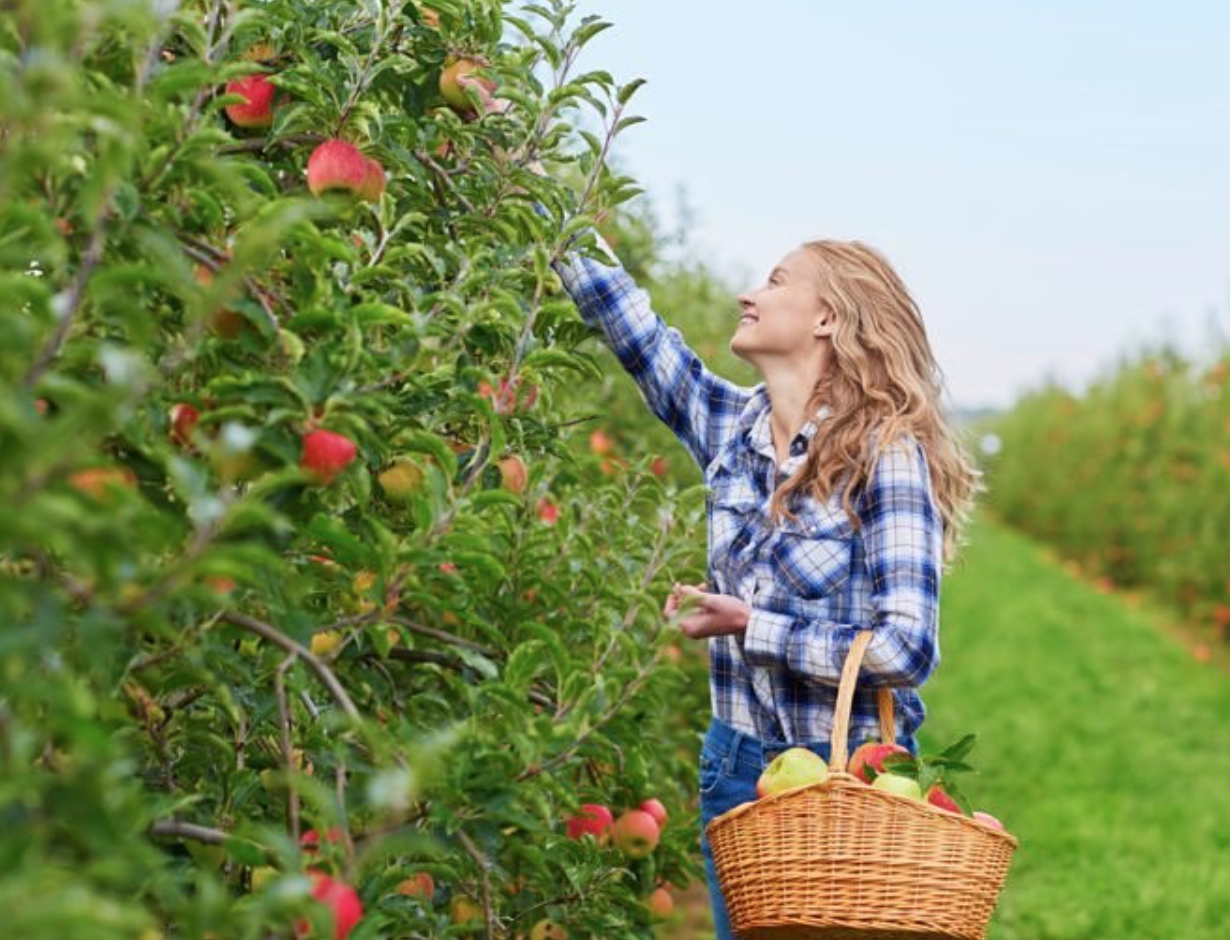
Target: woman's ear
826	321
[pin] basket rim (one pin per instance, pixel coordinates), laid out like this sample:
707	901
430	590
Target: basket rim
843	780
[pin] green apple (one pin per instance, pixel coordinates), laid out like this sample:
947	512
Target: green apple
796	767
898	785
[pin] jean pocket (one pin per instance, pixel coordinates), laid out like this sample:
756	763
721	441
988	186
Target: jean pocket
711	770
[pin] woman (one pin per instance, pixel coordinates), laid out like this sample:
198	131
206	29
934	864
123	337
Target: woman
837	495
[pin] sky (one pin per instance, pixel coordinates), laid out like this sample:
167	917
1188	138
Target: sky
1050	179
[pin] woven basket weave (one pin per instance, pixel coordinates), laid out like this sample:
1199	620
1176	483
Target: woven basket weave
840	860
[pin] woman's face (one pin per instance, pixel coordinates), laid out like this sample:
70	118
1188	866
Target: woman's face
782	319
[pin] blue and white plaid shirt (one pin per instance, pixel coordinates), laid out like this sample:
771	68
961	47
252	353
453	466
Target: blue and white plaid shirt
813	583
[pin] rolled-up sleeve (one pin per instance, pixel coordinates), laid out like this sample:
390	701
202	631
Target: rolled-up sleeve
902	533
673	380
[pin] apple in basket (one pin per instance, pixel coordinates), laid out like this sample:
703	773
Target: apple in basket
898	785
796	767
872	753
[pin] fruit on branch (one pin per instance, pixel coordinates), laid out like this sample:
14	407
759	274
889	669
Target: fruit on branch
655	809
636	833
338	164
184	418
341	899
401	480
458	74
594	819
660	903
514	474
257	110
326	454
419	885
97	482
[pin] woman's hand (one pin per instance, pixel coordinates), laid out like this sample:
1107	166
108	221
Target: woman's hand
708	614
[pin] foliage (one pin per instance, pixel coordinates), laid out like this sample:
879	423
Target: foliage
208	650
1130	480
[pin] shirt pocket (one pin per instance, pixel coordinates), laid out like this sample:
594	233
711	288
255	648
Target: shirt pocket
811	556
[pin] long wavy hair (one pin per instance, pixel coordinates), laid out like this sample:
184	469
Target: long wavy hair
883	382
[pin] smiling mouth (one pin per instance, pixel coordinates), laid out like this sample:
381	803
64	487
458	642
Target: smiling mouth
745	320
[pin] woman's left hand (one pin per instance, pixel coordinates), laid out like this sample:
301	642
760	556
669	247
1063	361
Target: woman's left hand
709	614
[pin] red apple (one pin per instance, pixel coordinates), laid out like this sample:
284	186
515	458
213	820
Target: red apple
257	111
183	421
341	899
872	753
548	512
326	454
601	443
660	904
310	840
514	474
459	73
373	182
420	885
337	164
595	819
97	482
988	819
659	467
937	797
636	833
655	809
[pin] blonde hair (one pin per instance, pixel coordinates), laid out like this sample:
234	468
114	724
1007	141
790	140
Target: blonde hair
884	382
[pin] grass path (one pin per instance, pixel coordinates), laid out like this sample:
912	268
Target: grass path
1102	744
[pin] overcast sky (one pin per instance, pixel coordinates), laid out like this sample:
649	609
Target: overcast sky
1051	179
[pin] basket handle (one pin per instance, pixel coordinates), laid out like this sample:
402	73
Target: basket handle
845	698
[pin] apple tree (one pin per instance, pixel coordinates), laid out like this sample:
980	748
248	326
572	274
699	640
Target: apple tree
320	618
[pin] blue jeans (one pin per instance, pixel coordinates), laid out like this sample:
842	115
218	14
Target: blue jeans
730	764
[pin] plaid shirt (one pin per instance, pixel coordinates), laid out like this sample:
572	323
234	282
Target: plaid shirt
812	584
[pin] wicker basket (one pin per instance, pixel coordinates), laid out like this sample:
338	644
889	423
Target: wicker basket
840	859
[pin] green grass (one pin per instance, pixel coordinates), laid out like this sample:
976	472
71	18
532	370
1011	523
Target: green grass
1102	744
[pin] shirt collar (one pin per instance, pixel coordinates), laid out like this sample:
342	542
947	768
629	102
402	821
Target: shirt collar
754	423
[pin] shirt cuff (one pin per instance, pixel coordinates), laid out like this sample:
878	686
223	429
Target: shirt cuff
766	642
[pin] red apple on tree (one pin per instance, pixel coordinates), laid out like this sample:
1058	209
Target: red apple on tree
514	474
458	74
601	443
97	482
338	164
636	833
655	809
548	511
326	454
594	819
184	419
257	110
660	903
341	899
420	885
